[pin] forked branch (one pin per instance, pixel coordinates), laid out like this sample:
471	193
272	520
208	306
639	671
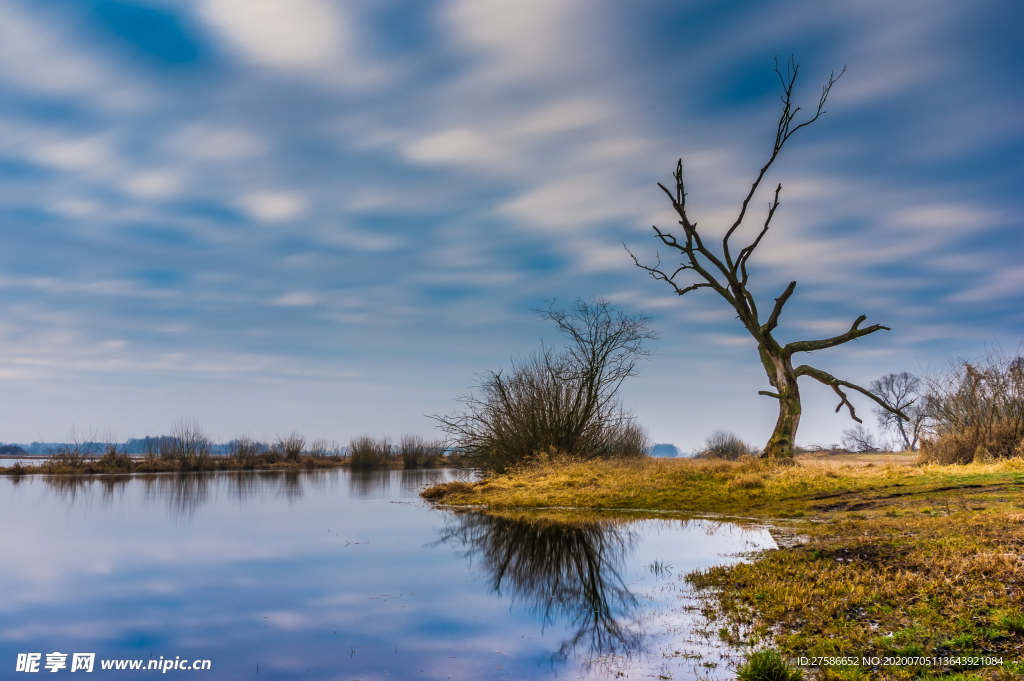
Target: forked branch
837	385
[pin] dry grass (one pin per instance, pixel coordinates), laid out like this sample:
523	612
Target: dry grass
751	487
907	585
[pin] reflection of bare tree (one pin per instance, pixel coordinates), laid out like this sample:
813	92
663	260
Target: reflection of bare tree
67	487
558	569
369	484
186	493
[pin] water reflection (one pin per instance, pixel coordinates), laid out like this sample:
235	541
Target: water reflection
313	574
559	569
186	493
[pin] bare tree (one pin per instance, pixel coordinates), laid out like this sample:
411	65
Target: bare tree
859	439
901	392
725	273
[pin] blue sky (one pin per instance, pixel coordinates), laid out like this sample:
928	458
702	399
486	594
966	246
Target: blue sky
331	216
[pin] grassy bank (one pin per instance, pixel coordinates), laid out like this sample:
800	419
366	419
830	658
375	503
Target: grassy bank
752	488
893	560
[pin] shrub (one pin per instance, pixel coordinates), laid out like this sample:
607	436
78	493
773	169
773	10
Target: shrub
291	447
976	411
564	402
366	452
114	460
722	444
245	452
319	449
767	665
188	445
67	459
416	452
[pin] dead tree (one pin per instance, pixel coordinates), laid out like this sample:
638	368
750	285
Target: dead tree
725	273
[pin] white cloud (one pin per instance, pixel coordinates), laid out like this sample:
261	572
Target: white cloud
288	33
573	202
153	185
523	39
39	54
272	206
210	143
310	36
297	299
564	115
456	146
73	154
946	216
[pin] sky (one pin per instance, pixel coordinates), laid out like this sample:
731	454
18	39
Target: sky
333	217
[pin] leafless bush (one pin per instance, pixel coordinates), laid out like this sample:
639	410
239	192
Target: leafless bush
246	452
319	449
114	460
722	444
291	447
860	440
563	402
416	452
976	411
188	445
366	452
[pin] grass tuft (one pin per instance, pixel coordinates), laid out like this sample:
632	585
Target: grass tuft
767	665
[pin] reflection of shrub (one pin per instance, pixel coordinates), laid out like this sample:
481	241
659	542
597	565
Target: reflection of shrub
721	444
976	411
767	665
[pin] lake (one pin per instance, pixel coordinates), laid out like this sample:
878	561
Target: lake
344	575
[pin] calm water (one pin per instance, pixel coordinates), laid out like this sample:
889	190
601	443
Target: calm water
340	575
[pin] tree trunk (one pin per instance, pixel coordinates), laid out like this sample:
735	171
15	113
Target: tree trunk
780	372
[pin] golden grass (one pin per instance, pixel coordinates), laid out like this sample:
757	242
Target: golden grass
931	585
752	487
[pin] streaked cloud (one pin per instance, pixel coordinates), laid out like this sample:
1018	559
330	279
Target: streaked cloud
332	215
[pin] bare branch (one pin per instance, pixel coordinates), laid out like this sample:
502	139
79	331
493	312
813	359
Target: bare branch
773	320
835	383
768	393
853	334
784	132
744	256
657	274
